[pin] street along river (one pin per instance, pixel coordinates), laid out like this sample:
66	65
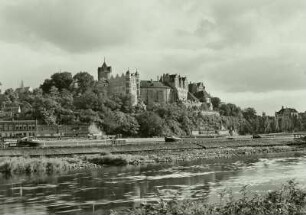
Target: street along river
97	191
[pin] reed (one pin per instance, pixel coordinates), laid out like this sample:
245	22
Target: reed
117	160
290	199
20	165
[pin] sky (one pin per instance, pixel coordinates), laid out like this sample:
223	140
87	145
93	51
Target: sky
251	53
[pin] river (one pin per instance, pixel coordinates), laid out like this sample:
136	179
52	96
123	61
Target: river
97	191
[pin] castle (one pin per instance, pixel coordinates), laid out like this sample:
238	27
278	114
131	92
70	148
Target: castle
169	88
127	84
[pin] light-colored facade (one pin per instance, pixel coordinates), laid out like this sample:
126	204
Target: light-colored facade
18	128
168	89
179	85
127	84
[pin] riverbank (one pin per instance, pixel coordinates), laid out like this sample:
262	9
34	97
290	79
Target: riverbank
45	165
86	148
51	165
289	199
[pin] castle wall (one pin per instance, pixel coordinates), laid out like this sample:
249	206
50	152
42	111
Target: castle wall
125	85
156	95
182	94
196	87
178	84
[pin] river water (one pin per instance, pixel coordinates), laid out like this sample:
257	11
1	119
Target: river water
97	191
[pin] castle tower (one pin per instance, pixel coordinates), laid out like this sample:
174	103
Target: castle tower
137	84
104	72
131	87
128	82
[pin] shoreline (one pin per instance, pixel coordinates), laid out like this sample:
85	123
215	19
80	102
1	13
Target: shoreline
96	147
57	164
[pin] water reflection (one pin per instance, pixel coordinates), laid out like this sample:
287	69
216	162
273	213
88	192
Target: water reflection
97	191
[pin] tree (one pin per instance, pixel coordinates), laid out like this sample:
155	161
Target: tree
216	102
54	93
225	110
45	109
89	116
150	124
249	113
46	86
88	100
127	124
11	95
66	99
84	80
60	80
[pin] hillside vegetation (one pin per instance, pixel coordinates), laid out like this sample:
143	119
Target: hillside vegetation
79	99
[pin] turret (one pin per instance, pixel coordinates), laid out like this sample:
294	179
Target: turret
137	83
104	72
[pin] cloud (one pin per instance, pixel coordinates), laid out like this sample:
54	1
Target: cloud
237	46
74	26
259	75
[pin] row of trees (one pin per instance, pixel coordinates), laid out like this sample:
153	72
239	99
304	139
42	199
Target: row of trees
247	121
67	99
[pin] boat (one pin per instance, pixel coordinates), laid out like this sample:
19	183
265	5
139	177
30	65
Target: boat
172	139
256	136
27	142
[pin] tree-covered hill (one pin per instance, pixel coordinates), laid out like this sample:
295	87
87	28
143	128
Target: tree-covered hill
79	99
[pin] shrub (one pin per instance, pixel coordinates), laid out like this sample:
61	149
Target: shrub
288	200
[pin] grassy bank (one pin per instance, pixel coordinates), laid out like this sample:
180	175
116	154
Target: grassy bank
41	165
217	153
21	165
29	165
290	199
117	160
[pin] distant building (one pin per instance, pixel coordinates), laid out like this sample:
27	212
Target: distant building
127	84
22	89
18	128
286	112
9	112
26	128
62	130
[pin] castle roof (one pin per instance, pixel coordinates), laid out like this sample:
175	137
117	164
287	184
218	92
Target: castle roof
104	66
153	84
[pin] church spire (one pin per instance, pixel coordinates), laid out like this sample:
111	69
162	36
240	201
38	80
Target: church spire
104	64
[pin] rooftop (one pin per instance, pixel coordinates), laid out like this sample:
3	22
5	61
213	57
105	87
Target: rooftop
152	84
